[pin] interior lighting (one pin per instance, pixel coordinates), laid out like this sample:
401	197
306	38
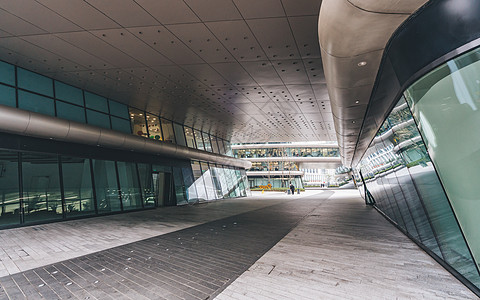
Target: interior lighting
362	63
356	102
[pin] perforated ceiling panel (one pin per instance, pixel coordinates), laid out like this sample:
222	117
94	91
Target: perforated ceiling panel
242	69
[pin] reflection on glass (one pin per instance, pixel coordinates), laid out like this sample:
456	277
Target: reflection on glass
189	183
146	184
206	142
106	186
77	186
190	137
154	127
129	185
199	183
167	129
403	181
9	187
41	187
207	178
137	117
199	140
179	134
214	144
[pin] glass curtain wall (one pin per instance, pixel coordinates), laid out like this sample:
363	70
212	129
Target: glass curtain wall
167	129
129	185
190	138
42	196
400	172
9	187
77	186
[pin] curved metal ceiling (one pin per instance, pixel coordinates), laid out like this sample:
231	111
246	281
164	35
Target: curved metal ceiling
242	69
353	35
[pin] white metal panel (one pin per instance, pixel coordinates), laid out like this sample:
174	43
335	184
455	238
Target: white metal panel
214	10
38	15
127	13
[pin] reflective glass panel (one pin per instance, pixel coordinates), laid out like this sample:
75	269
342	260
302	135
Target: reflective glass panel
207	178
98	119
445	104
9	188
199	183
70	112
96	102
41	187
199	140
179	134
36	103
137	118
206	142
7	73
129	185
167	130
34	82
146	184
7	96
120	124
213	139
154	127
190	137
77	186
68	93
118	109
106	186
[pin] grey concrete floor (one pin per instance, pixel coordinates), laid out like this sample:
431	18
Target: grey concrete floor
318	245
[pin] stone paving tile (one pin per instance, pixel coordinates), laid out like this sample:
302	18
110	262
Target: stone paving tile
345	250
193	263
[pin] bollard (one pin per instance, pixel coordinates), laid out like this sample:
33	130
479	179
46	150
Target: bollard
288	191
298	191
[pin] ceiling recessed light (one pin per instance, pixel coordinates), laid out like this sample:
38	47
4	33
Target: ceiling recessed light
362	63
356	102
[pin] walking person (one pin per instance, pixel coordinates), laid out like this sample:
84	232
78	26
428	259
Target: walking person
292	188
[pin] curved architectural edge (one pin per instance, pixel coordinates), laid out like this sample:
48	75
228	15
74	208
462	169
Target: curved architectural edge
352	36
21	122
432	35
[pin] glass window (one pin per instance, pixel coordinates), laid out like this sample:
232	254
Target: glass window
36	103
106	186
7	96
167	130
199	140
179	134
70	112
199	184
9	189
189	183
445	104
207	178
154	129
34	82
228	148
96	102
214	144
7	73
98	119
77	186
41	187
190	137
118	109
180	191
137	118
129	185
206	142
120	124
220	146
68	93
146	184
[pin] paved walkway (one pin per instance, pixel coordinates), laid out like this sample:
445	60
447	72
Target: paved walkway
326	245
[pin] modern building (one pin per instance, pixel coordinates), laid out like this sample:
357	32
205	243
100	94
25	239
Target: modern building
106	108
280	164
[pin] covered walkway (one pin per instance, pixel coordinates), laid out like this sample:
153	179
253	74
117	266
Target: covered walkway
318	245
